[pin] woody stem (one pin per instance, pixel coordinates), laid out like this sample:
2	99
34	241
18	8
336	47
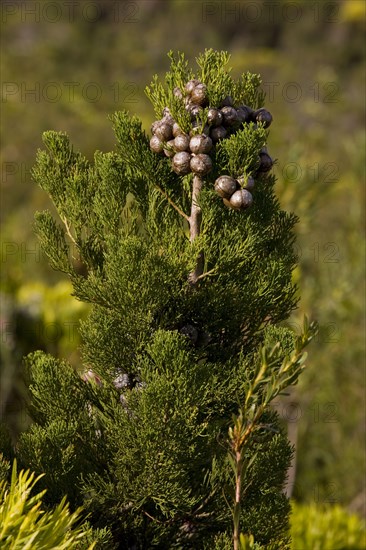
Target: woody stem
195	220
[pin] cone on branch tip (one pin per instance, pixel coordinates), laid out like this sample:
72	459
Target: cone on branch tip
193	152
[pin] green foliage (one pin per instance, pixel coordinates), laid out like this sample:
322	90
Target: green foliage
246	542
140	439
320	527
63	174
6	453
71	183
62	441
224	542
53	239
160	427
238	155
23	523
215	74
5	441
274	372
4	468
99	539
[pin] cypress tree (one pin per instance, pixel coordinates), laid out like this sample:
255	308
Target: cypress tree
165	434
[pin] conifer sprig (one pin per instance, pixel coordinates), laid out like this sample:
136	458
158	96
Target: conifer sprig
271	376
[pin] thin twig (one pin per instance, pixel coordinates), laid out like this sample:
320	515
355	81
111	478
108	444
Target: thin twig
68	230
196	213
237	503
151	517
167	522
195	228
203	503
206	274
172	203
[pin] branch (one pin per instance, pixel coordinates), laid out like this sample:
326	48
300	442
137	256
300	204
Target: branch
172	203
195	228
274	379
68	230
206	274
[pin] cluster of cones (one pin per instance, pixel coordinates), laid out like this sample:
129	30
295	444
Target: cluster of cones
190	152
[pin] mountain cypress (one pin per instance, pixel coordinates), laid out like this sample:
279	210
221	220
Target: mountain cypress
165	435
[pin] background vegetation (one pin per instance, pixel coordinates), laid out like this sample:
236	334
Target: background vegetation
69	68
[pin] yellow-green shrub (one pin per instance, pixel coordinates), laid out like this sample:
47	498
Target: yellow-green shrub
24	525
326	527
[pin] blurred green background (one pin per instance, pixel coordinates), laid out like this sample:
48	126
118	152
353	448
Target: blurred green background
68	65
